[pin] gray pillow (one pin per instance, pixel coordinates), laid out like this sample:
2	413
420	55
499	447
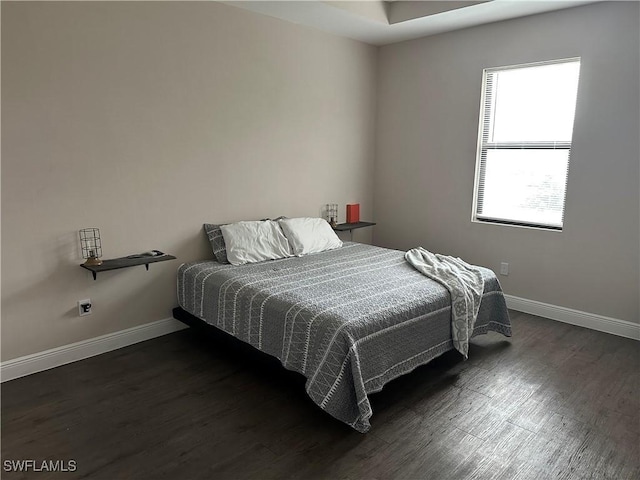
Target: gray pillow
214	234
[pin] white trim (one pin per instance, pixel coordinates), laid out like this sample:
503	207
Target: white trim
541	63
622	328
37	362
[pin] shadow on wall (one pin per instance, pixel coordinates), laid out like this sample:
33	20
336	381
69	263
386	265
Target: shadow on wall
61	260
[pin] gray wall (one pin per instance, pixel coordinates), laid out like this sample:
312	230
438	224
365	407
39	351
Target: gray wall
428	106
147	119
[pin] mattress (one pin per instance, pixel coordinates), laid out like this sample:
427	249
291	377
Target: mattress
349	320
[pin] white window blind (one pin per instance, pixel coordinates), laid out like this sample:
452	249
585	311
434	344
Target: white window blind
524	145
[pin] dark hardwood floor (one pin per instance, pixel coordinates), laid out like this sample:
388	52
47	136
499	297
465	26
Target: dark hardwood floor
554	401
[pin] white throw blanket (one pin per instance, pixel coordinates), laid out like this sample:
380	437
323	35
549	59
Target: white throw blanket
465	284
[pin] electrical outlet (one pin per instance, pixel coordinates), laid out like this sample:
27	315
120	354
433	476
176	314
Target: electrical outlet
84	307
504	268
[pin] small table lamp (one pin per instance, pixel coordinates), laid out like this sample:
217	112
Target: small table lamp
331	212
91	246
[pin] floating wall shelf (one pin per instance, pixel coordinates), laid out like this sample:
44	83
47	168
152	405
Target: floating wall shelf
126	262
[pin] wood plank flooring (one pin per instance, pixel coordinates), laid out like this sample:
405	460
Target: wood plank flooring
553	402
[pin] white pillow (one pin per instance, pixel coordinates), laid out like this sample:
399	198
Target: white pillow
250	242
309	235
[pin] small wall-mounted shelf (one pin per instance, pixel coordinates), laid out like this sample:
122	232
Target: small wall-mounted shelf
350	227
125	262
347	227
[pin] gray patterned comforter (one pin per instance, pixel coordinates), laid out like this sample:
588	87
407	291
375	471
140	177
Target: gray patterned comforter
350	320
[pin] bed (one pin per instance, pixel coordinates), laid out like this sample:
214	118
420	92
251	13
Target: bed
349	319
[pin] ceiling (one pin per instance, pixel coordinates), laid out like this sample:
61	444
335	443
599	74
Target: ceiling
382	22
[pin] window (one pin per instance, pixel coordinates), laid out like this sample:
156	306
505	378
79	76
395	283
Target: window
526	125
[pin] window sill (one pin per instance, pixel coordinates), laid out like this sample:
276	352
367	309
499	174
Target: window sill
517	225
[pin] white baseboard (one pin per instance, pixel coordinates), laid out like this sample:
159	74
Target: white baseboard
601	323
37	362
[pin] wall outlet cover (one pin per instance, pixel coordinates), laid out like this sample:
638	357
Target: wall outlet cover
84	307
